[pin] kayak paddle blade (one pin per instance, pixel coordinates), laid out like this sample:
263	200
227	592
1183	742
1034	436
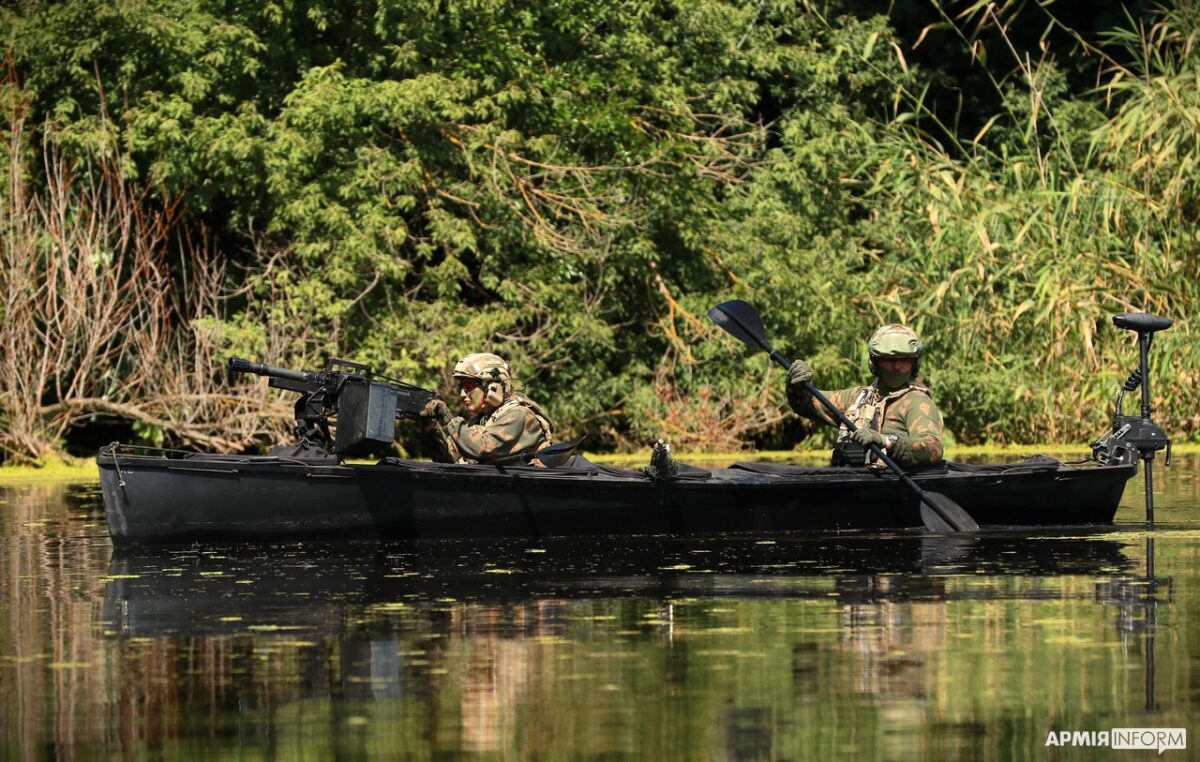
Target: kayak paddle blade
941	514
742	322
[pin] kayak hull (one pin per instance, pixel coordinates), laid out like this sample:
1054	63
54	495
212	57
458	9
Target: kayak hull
154	499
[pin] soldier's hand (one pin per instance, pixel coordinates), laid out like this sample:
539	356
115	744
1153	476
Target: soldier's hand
867	436
798	373
436	410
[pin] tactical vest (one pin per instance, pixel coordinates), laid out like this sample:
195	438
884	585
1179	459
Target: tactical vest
867	410
539	415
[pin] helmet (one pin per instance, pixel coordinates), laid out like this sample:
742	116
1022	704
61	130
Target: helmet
895	340
484	366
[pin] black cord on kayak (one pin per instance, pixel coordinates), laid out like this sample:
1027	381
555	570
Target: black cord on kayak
1134	381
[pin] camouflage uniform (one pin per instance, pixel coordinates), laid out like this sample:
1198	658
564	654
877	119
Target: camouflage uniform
902	410
516	425
908	413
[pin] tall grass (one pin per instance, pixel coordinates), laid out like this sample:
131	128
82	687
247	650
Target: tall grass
1012	250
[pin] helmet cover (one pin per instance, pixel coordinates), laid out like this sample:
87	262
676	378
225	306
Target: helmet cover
483	366
895	340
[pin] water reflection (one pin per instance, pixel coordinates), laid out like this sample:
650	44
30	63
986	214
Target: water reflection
229	589
1138	599
489	639
900	646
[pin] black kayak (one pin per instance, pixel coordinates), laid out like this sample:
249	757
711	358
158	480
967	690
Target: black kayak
158	497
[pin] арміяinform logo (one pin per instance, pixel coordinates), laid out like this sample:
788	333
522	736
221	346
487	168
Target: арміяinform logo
1157	739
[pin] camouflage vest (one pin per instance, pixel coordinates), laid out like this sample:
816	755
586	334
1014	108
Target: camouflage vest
869	407
539	415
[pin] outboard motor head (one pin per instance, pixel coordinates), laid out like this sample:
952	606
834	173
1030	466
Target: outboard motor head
1136	437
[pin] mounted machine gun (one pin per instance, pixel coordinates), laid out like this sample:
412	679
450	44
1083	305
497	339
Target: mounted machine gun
365	407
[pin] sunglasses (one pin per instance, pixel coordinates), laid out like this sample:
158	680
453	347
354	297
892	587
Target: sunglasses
467	385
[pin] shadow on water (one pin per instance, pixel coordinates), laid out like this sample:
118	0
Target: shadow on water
205	590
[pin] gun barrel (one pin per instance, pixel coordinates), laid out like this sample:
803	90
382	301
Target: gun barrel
240	365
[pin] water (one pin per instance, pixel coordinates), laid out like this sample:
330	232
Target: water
890	647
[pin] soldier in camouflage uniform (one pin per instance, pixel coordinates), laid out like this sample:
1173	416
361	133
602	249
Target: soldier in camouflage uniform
896	412
502	423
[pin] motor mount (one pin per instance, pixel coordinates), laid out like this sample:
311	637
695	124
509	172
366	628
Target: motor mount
1130	434
1136	437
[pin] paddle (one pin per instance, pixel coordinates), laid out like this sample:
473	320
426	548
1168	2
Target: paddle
940	513
551	457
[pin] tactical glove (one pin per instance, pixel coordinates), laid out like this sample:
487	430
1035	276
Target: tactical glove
798	373
867	436
436	410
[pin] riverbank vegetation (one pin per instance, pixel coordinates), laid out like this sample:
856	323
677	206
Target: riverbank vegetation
572	185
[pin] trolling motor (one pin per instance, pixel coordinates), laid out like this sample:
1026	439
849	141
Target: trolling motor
1134	437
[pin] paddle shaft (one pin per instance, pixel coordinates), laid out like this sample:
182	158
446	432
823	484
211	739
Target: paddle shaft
842	419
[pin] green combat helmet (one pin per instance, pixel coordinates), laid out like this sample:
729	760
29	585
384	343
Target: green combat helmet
895	340
485	367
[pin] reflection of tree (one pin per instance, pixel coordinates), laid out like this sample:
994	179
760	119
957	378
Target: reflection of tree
891	638
505	650
497	672
53	673
345	656
894	641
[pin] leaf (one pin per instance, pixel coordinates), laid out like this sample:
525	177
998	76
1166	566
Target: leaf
869	48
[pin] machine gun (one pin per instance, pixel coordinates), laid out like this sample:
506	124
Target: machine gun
366	408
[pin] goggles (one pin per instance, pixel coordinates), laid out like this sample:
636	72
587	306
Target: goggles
468	385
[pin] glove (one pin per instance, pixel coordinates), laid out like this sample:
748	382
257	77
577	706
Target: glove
867	436
798	373
436	410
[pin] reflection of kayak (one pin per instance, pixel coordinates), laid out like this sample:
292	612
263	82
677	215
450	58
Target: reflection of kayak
156	498
320	586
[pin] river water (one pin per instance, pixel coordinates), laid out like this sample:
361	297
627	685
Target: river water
864	646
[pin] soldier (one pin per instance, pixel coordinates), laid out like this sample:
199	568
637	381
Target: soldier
896	412
502	423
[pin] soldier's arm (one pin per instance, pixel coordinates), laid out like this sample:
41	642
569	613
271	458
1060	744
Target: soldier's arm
806	406
500	437
922	445
443	449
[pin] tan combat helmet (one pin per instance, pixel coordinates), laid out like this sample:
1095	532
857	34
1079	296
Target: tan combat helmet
484	366
895	340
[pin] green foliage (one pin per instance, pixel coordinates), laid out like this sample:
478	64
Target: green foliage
572	184
1013	250
148	434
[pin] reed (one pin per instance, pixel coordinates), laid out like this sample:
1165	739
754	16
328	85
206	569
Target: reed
1012	250
97	321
